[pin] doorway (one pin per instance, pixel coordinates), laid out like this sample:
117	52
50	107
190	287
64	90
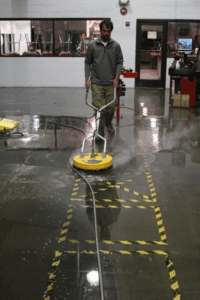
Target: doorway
151	53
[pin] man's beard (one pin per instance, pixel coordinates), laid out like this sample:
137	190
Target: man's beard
105	37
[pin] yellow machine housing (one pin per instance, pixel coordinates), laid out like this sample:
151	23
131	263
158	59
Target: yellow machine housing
93	162
8	125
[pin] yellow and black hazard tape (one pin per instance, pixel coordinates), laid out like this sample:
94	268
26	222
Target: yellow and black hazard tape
159	221
136	173
76	187
173	279
151	187
149	177
123	252
118	186
56	261
111	206
146	164
58	253
121	242
110	200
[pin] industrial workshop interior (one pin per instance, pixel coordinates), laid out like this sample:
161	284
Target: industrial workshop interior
100	150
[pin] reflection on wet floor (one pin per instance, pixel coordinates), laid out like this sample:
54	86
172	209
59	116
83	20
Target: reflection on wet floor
147	205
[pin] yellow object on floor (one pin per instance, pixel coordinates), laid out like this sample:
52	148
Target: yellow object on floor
8	125
87	162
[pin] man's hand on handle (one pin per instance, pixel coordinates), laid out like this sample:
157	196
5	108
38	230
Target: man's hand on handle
115	81
87	82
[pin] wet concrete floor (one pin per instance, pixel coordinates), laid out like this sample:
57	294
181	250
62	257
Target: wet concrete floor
147	206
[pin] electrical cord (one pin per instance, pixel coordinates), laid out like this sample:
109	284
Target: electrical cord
93	199
12	135
72	117
132	109
189	119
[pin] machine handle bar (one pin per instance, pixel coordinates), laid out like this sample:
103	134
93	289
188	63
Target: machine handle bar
102	108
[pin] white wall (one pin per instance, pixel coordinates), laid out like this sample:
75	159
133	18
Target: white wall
70	71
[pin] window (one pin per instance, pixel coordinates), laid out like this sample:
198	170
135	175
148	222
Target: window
67	38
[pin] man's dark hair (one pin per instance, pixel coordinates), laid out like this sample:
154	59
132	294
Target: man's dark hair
107	22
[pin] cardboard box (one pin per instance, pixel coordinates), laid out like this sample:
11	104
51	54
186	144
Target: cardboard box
185	101
177	100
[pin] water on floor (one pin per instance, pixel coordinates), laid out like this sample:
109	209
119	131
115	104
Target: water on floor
147	205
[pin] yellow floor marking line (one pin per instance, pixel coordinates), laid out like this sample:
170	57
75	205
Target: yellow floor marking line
159	221
135	200
58	254
160	225
110	206
121	242
170	267
154	198
142	252
149	177
129	191
110	200
173	279
77	199
107	200
129	180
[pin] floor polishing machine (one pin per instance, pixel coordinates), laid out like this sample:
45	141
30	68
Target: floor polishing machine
94	161
7	125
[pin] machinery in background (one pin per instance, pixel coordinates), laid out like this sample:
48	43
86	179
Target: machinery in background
185	82
127	73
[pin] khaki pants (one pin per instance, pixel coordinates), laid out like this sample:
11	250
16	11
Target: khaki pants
102	95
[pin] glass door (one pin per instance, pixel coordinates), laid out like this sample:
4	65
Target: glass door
151	53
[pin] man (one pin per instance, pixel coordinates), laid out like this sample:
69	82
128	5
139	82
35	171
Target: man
105	56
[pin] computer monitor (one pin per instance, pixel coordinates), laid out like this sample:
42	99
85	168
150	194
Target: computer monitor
152	35
184	45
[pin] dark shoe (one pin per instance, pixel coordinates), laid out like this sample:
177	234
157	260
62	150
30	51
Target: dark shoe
108	123
101	132
110	129
98	140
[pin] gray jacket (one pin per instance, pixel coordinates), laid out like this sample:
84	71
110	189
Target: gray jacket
106	61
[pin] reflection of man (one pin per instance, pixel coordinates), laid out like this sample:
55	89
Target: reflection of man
105	216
